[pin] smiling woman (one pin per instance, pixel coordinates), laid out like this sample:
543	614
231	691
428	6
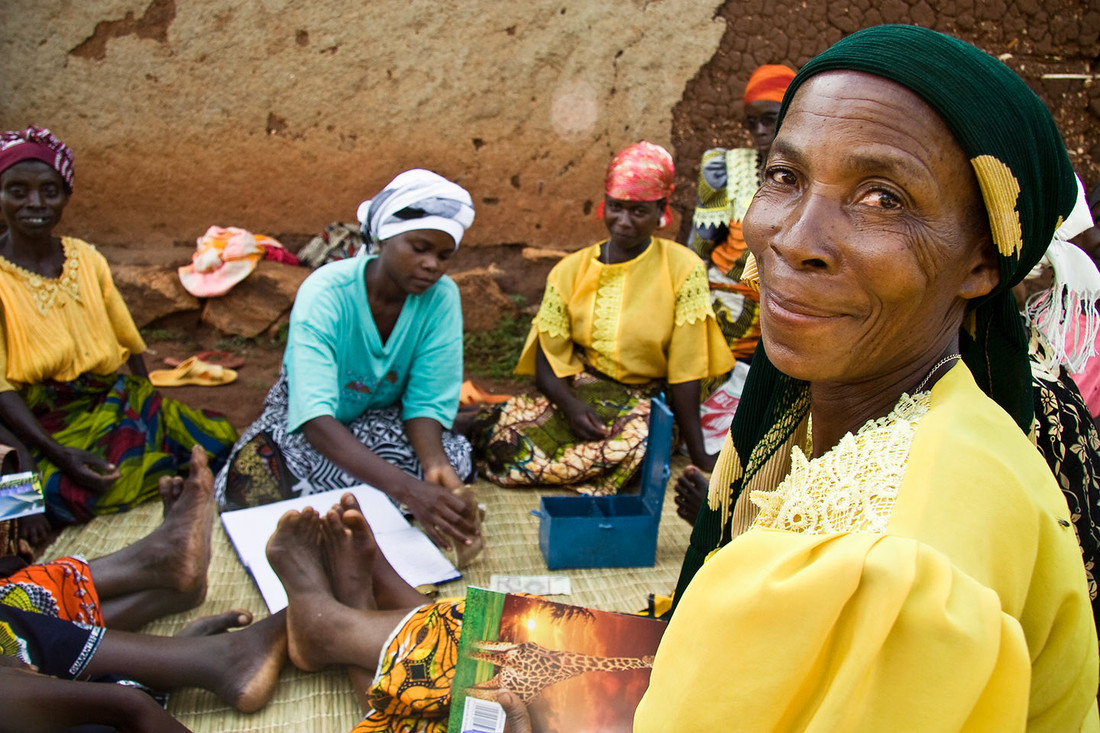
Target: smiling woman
882	547
101	439
372	371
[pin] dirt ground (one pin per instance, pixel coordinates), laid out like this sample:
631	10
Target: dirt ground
242	401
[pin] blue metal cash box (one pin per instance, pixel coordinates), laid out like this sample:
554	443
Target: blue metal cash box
611	531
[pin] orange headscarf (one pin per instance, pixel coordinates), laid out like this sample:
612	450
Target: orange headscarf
769	83
641	172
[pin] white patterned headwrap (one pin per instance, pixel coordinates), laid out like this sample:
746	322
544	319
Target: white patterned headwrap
1076	286
447	207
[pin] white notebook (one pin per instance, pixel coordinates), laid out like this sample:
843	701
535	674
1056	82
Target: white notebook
412	554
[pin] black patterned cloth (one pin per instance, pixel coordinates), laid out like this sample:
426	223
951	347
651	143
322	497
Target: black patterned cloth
1067	437
270	463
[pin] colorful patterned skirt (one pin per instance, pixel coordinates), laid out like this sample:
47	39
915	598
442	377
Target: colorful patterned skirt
50	617
269	463
416	670
531	443
122	419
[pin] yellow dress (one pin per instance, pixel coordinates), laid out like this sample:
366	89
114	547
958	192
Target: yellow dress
62	342
620	332
636	321
61	328
967	611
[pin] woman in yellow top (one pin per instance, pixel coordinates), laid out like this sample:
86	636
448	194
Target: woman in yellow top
618	321
101	439
884	547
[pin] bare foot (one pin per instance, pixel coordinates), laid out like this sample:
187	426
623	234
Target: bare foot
254	659
294	552
691	492
184	536
217	624
389	590
350	550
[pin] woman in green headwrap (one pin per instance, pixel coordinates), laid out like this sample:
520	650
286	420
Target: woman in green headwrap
884	547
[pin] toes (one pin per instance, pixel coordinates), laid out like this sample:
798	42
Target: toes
216	624
198	458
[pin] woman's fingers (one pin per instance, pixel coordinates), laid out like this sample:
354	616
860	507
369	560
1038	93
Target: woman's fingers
443	518
517	719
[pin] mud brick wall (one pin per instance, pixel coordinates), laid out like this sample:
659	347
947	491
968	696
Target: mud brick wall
280	116
1034	37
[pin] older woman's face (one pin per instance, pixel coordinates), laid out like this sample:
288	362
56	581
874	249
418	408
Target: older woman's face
868	233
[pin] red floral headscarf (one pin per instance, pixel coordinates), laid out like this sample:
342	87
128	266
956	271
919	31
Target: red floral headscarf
641	172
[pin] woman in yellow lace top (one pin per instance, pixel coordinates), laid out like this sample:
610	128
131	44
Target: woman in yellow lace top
882	548
619	320
101	439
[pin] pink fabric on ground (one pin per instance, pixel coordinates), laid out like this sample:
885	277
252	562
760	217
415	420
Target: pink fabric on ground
223	257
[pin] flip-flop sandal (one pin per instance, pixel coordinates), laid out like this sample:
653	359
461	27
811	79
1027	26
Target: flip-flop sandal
220	358
193	371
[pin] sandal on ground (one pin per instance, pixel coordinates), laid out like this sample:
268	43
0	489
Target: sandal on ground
193	371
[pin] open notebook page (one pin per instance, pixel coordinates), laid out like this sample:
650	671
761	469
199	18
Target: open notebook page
412	554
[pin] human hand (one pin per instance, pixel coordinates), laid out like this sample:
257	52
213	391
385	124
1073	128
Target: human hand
516	717
87	469
583	421
441	513
443	475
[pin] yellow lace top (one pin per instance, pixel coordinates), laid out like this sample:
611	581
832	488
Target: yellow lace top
60	328
648	318
853	486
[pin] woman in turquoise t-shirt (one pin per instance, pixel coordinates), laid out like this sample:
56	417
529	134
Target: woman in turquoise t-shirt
372	371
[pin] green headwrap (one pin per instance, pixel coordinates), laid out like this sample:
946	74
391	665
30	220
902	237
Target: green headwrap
1027	185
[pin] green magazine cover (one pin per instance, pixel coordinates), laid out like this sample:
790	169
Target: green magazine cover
577	669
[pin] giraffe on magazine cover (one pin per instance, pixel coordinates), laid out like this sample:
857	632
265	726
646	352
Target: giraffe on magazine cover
528	668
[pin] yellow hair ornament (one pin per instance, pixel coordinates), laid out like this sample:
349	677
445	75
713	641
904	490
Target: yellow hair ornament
1000	189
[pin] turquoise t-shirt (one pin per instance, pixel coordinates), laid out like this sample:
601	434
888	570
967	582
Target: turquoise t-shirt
337	365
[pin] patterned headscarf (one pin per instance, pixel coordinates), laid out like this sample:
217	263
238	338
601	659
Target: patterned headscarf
36	143
641	172
437	203
1028	188
769	83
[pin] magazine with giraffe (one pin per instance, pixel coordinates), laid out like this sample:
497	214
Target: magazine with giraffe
576	669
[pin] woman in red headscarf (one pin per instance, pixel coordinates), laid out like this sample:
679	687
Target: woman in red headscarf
620	320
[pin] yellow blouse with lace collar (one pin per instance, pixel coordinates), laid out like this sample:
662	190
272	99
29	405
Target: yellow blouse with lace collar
853	486
648	318
60	328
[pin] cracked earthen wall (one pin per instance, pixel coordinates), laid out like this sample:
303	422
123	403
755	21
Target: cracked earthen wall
281	116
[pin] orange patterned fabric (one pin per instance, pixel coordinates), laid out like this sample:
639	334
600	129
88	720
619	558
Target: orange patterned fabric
62	589
768	83
412	688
